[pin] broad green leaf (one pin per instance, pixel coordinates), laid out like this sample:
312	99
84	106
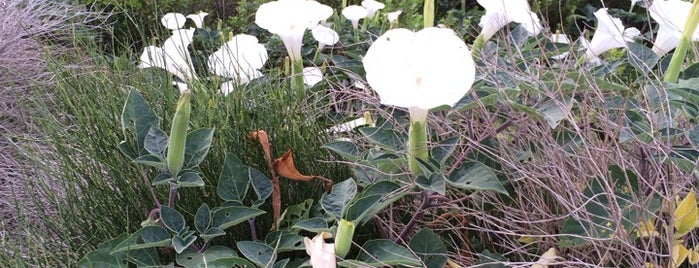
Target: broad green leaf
234	181
553	112
357	264
690	72
172	219
686	214
468	102
190	179
261	184
151	160
202	219
103	257
430	248
197	146
180	243
156	142
125	149
295	213
314	225
435	183
137	116
346	149
213	257
364	208
283	241
387	252
341	195
641	57
444	149
475	176
162	179
258	253
229	216
212	233
386	138
491	260
146	237
281	264
693	136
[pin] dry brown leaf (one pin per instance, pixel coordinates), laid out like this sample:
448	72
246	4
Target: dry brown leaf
261	137
285	167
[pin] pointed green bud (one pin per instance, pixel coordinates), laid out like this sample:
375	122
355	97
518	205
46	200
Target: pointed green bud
178	134
343	238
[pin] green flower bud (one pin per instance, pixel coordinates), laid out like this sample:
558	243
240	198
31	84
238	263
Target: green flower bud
343	238
178	134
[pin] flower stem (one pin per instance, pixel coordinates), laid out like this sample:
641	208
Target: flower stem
297	78
673	70
426	200
428	13
417	139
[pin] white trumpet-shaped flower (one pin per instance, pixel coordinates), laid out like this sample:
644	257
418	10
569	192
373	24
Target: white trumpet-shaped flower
198	19
322	254
312	76
355	13
173	56
372	6
173	21
422	70
393	16
325	35
610	33
671	16
499	13
239	59
289	19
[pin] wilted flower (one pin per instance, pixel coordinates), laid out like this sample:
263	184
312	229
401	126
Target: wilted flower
198	19
499	13
322	254
393	16
173	56
312	76
354	13
671	16
372	6
239	59
289	19
324	35
610	34
173	21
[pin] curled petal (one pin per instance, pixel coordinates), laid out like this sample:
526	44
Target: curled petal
173	21
198	18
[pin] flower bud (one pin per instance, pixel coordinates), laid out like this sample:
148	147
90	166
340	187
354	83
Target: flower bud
343	238
178	134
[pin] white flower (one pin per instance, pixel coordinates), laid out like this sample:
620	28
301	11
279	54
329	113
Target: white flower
610	34
173	21
354	13
198	19
173	56
312	76
393	16
633	2
239	59
324	35
671	17
499	13
372	6
227	87
289	19
424	69
322	254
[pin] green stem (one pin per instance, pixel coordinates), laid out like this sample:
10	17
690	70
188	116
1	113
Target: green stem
478	45
297	79
417	140
428	13
673	70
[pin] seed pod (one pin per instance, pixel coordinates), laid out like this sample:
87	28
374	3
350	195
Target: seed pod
343	238
178	135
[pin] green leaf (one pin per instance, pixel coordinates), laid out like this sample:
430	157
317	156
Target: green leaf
435	183
229	216
155	142
103	256
283	241
335	202
346	149
162	178
137	116
444	149
430	248
281	264
190	179
468	102
553	112
386	252
180	243
491	260
641	57
172	219
259	253
213	257
212	233
197	146
314	225
261	184
234	181
373	199
693	136
295	213
473	175
202	219
386	138
146	237
151	160
691	72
